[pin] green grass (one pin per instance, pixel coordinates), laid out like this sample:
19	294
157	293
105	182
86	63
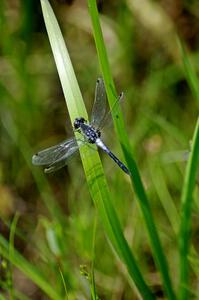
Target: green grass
188	187
185	226
138	239
92	166
122	136
190	73
28	269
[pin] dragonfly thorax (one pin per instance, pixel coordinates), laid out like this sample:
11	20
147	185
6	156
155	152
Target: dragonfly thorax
89	132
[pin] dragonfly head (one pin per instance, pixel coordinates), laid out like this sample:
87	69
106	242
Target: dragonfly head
78	121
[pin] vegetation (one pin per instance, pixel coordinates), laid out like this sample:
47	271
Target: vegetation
95	232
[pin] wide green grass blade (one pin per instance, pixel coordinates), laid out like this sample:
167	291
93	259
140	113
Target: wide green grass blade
90	159
28	269
122	136
185	227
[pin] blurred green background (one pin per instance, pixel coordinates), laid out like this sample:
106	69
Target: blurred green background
54	213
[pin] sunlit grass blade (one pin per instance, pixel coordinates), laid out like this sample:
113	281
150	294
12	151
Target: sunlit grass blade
185	227
28	269
123	138
90	159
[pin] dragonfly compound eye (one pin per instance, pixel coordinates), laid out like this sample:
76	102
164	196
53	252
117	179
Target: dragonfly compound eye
78	121
76	124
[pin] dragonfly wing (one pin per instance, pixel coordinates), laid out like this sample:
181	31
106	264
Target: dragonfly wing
56	165
56	153
99	106
113	111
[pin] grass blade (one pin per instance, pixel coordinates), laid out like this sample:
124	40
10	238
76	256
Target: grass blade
28	269
189	72
185	227
189	182
90	159
122	136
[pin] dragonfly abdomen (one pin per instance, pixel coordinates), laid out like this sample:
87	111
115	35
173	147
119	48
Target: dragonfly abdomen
100	144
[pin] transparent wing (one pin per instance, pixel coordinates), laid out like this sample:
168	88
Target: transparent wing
99	106
107	120
56	166
56	154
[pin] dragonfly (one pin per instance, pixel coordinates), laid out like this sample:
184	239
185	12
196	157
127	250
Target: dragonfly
56	157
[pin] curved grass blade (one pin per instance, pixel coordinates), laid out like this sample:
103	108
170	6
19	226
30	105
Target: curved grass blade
159	255
90	159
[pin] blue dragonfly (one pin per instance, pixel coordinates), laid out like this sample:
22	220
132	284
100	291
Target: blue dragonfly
56	157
